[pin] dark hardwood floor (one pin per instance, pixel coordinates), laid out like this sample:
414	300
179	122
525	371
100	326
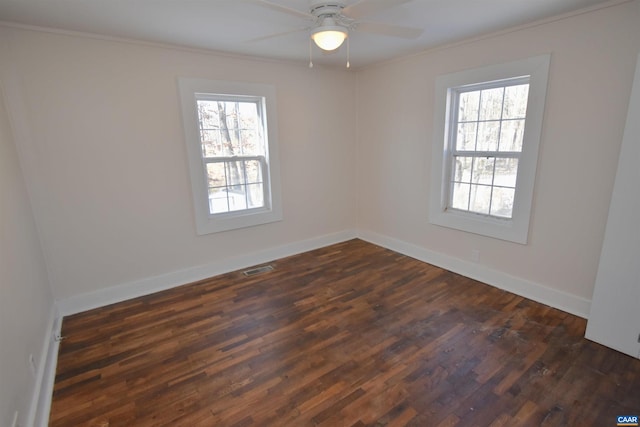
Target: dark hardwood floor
348	335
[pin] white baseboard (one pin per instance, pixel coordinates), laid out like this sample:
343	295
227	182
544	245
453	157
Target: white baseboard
535	291
126	291
557	299
45	377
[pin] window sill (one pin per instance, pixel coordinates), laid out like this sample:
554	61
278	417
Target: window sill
234	220
503	229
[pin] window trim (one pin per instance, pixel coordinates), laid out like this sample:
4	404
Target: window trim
515	229
190	90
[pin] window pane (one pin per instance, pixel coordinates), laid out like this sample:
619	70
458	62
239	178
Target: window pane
488	133
237	199
515	102
230	143
479	199
460	196
502	202
462	169
506	172
254	172
208	114
248	115
227	189
209	136
468	104
230	128
228	114
255	195
210	142
251	145
511	135
235	174
482	170
491	104
218	200
216	175
466	140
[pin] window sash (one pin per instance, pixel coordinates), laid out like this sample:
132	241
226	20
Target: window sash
258	101
454	152
492	186
264	181
488	154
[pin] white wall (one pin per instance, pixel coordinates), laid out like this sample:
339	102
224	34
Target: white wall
108	160
614	319
26	301
593	58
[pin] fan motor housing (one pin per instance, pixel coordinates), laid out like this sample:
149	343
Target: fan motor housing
324	7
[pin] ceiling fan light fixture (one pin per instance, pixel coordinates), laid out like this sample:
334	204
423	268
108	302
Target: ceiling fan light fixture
329	36
329	39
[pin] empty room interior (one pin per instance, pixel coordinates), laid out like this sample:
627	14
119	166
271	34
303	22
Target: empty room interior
212	216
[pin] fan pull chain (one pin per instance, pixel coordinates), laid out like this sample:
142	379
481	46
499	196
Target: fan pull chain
348	52
310	53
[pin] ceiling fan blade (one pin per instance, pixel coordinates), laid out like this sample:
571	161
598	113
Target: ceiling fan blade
389	30
284	9
369	7
283	33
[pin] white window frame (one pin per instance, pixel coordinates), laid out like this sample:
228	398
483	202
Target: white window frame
190	91
515	229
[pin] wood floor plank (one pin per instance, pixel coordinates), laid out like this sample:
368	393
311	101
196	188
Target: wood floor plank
351	334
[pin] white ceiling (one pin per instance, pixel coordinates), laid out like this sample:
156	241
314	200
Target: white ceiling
229	25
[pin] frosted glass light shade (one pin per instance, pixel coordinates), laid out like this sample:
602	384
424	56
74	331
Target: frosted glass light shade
329	38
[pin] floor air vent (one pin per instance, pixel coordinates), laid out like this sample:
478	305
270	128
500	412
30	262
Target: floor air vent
257	270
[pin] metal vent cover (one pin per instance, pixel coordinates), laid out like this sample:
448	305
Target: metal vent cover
258	270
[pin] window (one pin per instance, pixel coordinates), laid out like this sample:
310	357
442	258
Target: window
488	124
233	151
231	138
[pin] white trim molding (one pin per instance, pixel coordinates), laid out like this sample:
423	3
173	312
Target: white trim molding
40	406
534	291
138	288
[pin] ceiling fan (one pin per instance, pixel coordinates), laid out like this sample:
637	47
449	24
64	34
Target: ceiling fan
330	21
